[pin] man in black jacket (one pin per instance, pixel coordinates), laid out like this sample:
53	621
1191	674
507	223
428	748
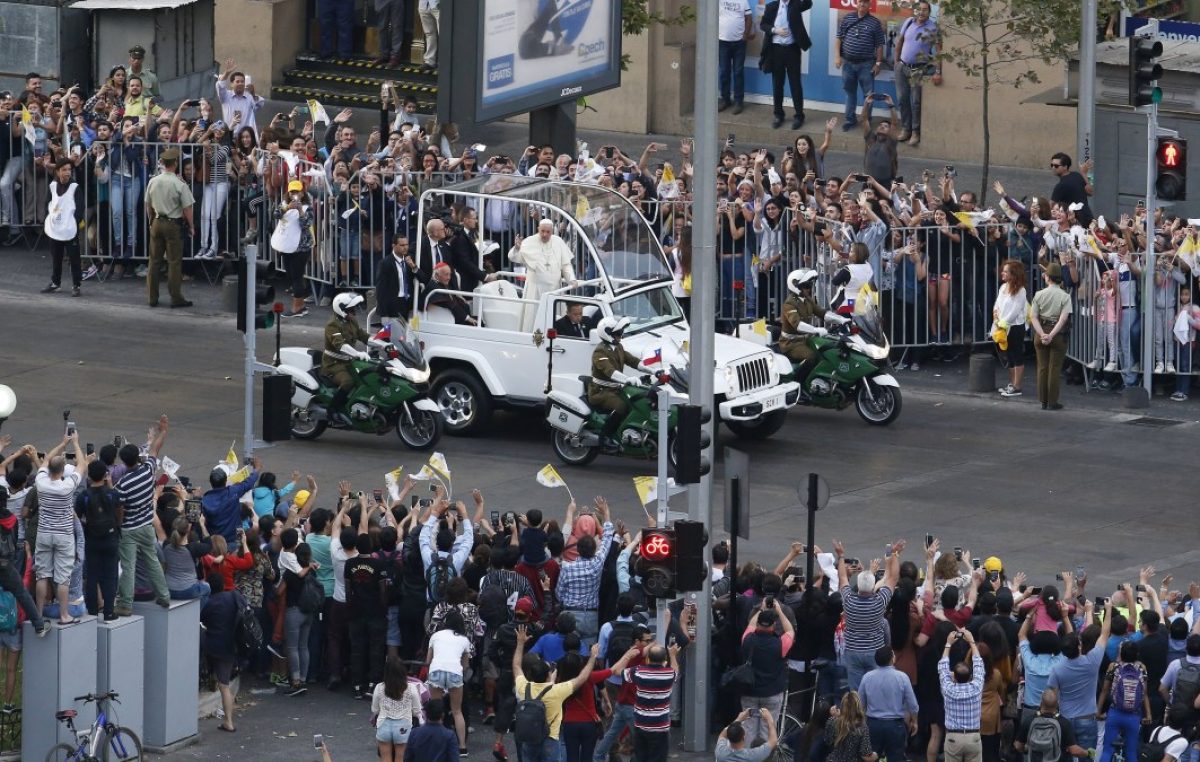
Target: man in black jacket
464	254
395	284
787	38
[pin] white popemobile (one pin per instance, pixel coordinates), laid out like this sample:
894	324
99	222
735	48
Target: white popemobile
504	360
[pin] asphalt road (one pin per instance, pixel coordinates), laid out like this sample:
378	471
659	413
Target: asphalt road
1044	491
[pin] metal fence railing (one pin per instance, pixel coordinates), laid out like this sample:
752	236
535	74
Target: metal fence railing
933	289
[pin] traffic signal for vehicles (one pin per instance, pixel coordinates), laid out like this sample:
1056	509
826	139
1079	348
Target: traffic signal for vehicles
691	463
656	562
1144	70
264	295
1170	179
691	540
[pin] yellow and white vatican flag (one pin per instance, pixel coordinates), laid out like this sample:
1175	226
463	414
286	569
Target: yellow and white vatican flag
548	476
392	481
317	111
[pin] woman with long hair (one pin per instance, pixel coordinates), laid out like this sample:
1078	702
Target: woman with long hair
295	238
297	624
216	188
931	718
904	621
994	688
847	735
179	554
1045	609
447	656
1008	315
772	234
397	706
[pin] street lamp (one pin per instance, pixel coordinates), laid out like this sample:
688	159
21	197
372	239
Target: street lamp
8	403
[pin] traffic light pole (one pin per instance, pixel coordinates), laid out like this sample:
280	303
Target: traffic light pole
1148	265
664	492
703	328
1085	108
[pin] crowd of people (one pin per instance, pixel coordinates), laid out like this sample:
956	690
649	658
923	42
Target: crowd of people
339	210
446	616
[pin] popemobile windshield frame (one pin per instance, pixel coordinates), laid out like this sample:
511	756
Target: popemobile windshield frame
629	254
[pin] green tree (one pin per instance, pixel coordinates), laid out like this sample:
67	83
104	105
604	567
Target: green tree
998	43
637	16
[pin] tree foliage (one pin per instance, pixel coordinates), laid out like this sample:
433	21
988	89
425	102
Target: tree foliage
637	17
999	43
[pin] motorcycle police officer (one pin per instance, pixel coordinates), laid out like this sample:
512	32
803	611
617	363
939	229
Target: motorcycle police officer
796	321
608	360
341	332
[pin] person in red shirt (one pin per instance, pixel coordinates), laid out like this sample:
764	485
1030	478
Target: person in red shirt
580	720
221	560
949	610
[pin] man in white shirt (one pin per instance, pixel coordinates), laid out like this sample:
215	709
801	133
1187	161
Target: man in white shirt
237	96
54	551
734	30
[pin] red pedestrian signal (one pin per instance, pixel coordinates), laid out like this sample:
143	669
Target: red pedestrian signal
1170	180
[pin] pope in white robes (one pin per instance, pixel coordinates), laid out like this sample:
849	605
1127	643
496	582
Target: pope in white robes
548	264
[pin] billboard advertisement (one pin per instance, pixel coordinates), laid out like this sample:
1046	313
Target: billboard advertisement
536	53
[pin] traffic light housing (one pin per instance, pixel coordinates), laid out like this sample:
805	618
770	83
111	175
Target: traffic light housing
1144	70
692	441
264	294
1170	179
656	562
691	541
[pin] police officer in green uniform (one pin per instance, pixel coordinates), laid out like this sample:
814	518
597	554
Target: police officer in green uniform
341	332
608	361
1051	312
796	321
169	203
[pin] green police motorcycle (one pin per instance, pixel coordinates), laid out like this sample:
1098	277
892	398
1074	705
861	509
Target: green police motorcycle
576	426
852	368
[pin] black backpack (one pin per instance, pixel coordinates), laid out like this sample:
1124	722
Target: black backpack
249	629
99	511
8	543
1154	749
494	601
312	595
393	575
1187	687
620	640
529	721
438	577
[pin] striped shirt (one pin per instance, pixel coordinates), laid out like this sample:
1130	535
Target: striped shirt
652	696
864	618
136	490
860	37
56	501
964	701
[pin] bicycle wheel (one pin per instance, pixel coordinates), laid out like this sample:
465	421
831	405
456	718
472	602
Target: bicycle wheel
122	746
790	730
61	753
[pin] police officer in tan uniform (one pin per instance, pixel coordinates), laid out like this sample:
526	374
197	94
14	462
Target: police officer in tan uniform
608	378
341	333
168	206
796	321
1051	312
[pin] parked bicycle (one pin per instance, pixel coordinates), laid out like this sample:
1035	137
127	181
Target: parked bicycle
105	741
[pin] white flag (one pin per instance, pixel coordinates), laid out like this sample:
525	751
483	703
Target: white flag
317	112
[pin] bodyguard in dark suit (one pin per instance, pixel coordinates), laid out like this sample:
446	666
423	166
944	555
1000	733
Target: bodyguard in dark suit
464	254
394	284
787	38
432	247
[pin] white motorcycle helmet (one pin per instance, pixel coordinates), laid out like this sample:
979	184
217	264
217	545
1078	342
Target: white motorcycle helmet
610	329
343	303
798	279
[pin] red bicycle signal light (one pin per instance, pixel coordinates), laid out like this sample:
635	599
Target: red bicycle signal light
656	547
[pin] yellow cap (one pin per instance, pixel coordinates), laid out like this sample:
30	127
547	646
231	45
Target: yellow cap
993	564
295	186
301	498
